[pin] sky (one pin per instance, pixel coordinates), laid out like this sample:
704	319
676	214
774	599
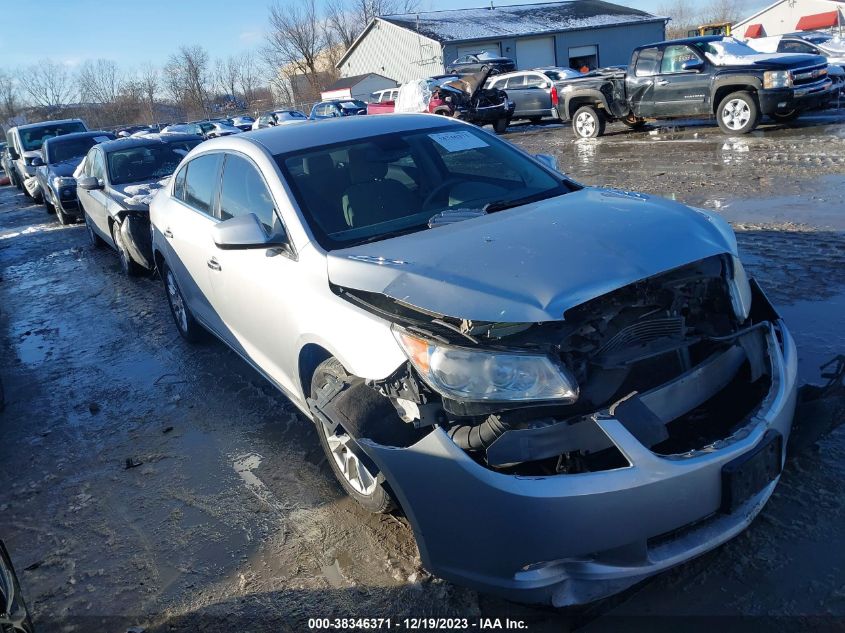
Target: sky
133	33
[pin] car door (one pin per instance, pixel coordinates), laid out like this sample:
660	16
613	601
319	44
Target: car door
187	231
537	98
639	84
249	284
515	87
95	201
679	92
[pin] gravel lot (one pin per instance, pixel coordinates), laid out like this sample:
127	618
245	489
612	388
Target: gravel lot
232	520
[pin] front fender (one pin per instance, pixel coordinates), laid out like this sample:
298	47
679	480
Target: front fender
135	230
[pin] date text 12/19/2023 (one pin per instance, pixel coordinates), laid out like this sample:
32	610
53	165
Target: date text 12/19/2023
417	624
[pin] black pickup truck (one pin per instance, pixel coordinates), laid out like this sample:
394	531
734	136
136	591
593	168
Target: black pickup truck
697	77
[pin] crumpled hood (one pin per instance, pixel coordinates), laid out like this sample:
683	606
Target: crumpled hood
532	263
137	195
468	84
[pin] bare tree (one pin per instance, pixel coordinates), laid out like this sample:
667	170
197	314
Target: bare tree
148	79
186	79
49	84
346	20
687	15
226	73
249	78
724	11
100	81
683	17
9	98
296	40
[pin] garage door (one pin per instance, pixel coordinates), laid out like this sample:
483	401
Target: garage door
489	47
535	53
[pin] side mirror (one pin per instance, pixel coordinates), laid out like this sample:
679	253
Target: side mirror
548	160
245	231
37	162
694	65
89	183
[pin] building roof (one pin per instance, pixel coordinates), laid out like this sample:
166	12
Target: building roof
349	82
455	25
741	23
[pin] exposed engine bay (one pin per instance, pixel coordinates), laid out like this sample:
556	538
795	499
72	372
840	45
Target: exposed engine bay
669	357
472	101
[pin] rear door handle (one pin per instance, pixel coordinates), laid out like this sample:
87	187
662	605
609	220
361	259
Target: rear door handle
213	264
168	233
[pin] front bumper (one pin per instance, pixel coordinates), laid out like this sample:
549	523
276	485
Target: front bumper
574	538
135	230
809	97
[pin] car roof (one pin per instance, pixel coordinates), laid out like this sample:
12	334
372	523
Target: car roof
140	141
73	135
30	126
300	136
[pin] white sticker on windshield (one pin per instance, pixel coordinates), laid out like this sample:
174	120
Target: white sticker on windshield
457	141
101	139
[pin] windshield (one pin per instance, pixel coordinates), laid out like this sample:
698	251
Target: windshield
62	150
353	105
293	114
373	188
33	138
147	163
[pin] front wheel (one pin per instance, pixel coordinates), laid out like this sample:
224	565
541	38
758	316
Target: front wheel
738	113
188	327
786	117
353	469
96	240
588	122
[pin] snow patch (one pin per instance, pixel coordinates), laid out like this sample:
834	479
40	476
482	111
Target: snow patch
142	194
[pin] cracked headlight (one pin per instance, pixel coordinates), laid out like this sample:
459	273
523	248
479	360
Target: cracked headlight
60	181
472	375
740	291
777	79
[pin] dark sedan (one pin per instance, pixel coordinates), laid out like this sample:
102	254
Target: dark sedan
60	156
338	108
481	62
119	178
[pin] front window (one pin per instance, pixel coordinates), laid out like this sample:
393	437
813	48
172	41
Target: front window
147	163
674	58
374	188
33	138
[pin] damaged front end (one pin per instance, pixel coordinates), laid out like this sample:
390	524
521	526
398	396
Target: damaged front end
475	103
563	461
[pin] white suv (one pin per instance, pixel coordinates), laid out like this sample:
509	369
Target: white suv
547	378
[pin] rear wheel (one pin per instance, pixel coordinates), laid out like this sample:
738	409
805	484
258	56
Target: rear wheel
738	113
350	465
589	122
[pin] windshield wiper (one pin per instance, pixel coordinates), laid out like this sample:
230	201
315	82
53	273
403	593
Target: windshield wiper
501	205
388	235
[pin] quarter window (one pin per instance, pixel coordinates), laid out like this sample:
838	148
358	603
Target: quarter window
201	182
179	183
647	62
244	192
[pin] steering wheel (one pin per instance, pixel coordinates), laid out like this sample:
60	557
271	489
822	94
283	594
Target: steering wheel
437	190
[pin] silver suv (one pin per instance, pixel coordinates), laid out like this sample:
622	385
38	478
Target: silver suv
565	389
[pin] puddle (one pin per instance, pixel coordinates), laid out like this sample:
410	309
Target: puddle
34	346
819	331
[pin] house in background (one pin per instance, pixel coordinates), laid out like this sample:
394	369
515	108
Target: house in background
789	16
571	34
357	87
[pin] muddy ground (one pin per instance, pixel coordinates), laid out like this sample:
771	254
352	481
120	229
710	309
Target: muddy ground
230	519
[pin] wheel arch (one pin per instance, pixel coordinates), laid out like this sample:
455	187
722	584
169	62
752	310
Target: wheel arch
724	90
589	98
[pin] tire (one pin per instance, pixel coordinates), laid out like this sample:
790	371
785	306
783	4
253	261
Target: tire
189	328
351	467
129	266
738	113
96	240
786	117
63	218
49	208
501	125
589	122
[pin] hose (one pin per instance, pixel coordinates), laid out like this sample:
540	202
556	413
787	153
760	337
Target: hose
477	437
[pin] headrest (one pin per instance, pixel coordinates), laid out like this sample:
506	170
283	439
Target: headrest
318	163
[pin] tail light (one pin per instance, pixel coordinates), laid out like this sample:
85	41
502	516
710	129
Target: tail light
554	96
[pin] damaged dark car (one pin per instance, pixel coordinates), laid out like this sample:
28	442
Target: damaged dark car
472	102
565	389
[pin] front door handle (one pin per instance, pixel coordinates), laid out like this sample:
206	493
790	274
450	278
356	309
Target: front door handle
168	233
213	264
662	82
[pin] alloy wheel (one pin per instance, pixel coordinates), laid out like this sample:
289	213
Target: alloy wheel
585	123
349	464
736	114
177	304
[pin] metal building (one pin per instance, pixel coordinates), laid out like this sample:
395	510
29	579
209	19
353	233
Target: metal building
571	33
789	16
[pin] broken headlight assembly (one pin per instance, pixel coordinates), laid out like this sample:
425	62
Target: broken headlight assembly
740	290
465	374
